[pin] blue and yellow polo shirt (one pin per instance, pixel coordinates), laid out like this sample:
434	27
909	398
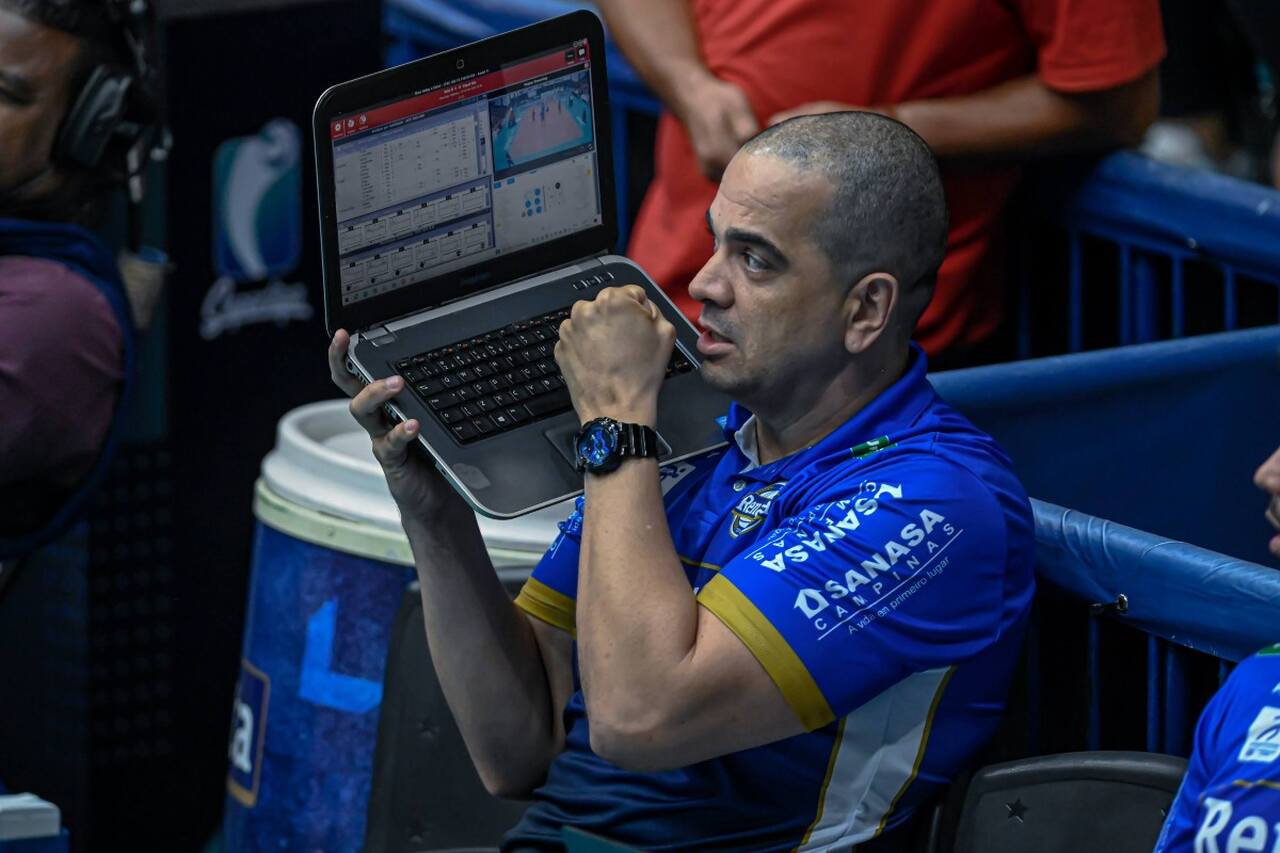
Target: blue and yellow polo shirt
1230	797
882	577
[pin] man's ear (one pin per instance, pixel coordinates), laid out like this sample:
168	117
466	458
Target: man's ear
868	310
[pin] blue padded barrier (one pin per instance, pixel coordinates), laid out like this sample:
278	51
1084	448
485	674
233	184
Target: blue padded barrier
1163	437
1153	614
1197	598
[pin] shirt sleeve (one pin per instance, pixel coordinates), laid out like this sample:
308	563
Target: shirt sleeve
874	580
60	368
1089	45
550	592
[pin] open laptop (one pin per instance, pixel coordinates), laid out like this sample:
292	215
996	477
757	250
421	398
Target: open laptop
466	202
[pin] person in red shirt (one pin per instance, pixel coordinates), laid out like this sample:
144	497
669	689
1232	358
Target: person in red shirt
987	83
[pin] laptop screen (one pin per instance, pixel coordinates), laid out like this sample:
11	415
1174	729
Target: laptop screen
465	171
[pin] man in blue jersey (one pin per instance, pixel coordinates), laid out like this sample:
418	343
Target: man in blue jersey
1229	801
791	643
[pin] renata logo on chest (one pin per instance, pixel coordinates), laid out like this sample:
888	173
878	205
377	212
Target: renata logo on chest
752	509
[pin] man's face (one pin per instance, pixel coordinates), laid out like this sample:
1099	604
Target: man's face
36	64
772	304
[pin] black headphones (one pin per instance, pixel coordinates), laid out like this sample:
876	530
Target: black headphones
117	111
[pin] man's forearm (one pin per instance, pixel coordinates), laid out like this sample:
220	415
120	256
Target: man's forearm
1024	118
485	656
659	40
637	617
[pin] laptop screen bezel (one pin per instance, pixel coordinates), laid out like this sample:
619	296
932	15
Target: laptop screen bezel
405	80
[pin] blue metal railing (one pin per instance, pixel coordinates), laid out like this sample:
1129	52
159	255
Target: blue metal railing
1180	596
1160	220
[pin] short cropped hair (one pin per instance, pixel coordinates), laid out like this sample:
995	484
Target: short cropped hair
888	211
88	20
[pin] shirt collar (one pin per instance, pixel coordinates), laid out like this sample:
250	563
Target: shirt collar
893	410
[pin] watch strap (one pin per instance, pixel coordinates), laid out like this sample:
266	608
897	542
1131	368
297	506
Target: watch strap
638	441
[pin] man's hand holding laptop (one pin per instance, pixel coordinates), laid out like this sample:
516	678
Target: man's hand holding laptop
417	487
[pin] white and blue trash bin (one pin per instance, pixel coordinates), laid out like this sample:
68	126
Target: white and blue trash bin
330	568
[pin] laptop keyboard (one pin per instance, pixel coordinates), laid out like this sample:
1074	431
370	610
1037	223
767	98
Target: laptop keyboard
495	382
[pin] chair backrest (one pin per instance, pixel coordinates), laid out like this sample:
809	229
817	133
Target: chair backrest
1092	801
426	794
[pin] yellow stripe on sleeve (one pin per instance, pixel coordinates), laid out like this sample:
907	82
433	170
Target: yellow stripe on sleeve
777	657
546	604
690	562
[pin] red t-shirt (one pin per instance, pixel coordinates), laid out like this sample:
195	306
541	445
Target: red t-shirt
784	53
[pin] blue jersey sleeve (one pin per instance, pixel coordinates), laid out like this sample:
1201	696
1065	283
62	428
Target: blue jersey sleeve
552	588
870	581
550	592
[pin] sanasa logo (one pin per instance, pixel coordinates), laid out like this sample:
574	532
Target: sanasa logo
811	602
855	509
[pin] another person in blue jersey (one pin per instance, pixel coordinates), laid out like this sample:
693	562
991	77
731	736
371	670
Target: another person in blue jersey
1229	801
791	643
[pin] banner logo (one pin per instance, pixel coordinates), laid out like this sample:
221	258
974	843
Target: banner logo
257	203
257	231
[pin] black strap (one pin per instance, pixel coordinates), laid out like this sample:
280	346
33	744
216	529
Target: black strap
641	442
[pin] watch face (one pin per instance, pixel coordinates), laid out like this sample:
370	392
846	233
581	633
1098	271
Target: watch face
597	445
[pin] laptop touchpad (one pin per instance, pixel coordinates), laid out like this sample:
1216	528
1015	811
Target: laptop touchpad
562	439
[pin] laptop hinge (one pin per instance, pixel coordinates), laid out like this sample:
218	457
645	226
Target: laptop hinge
379	336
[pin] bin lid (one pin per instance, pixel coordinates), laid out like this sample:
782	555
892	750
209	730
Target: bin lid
323	461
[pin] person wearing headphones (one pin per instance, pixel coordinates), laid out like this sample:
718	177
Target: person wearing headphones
75	121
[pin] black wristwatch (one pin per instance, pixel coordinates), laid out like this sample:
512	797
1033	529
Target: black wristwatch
603	443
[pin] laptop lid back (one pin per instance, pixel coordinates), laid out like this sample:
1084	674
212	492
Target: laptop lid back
464	170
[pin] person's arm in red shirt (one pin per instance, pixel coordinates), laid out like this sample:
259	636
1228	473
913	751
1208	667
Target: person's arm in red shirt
1021	118
658	39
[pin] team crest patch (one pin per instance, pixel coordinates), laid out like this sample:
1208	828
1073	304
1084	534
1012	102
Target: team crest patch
752	509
